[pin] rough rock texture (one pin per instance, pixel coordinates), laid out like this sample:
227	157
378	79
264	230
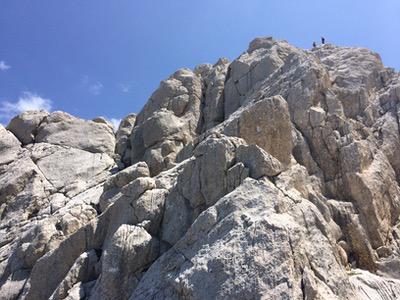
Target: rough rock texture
60	128
48	190
275	176
123	146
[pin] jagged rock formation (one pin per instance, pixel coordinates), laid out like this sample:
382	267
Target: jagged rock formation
275	176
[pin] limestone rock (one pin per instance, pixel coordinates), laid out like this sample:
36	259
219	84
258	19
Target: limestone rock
122	143
259	162
370	286
127	175
9	146
60	128
265	123
84	269
158	140
199	185
249	69
149	208
274	176
130	250
213	110
103	120
25	125
138	186
72	170
215	260
236	175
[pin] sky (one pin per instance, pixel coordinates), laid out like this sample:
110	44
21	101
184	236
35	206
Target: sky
104	58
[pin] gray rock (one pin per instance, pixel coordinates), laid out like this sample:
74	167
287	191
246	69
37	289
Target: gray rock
275	176
60	128
9	146
317	116
236	175
25	125
265	123
130	250
259	162
213	110
238	249
122	143
83	270
370	286
127	175
73	170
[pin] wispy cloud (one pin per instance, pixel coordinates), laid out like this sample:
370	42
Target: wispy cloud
125	87
115	122
27	101
4	66
96	88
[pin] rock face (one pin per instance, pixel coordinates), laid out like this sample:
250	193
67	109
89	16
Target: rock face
275	176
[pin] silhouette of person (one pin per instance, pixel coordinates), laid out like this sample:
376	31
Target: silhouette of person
314	44
322	40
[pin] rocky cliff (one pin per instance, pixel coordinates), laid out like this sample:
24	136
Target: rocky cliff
275	176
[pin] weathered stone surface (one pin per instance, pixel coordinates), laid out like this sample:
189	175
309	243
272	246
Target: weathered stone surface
248	70
239	249
275	176
122	142
127	175
158	140
103	120
72	170
236	175
25	125
213	110
130	250
265	123
370	286
60	128
83	270
259	162
9	146
149	208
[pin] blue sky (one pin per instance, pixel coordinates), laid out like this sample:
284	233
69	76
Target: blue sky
105	58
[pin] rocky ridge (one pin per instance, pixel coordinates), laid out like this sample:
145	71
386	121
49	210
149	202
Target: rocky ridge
274	176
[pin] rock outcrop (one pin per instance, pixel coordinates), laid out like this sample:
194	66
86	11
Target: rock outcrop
275	176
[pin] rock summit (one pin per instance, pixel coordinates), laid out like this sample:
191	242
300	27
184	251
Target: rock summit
274	176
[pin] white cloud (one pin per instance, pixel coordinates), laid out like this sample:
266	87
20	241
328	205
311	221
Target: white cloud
27	101
125	87
115	123
95	88
4	66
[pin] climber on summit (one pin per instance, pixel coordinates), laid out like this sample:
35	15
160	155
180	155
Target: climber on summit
322	40
314	44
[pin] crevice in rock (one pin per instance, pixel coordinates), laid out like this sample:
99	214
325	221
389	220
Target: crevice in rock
303	286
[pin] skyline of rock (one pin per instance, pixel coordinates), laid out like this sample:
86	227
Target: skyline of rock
274	176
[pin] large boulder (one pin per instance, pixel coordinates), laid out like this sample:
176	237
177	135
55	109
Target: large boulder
265	123
71	170
244	248
130	250
62	129
25	125
122	143
10	146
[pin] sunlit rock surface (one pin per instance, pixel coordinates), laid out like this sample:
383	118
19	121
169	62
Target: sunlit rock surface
275	176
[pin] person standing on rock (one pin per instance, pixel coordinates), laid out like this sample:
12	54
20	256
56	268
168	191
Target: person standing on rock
314	44
323	40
